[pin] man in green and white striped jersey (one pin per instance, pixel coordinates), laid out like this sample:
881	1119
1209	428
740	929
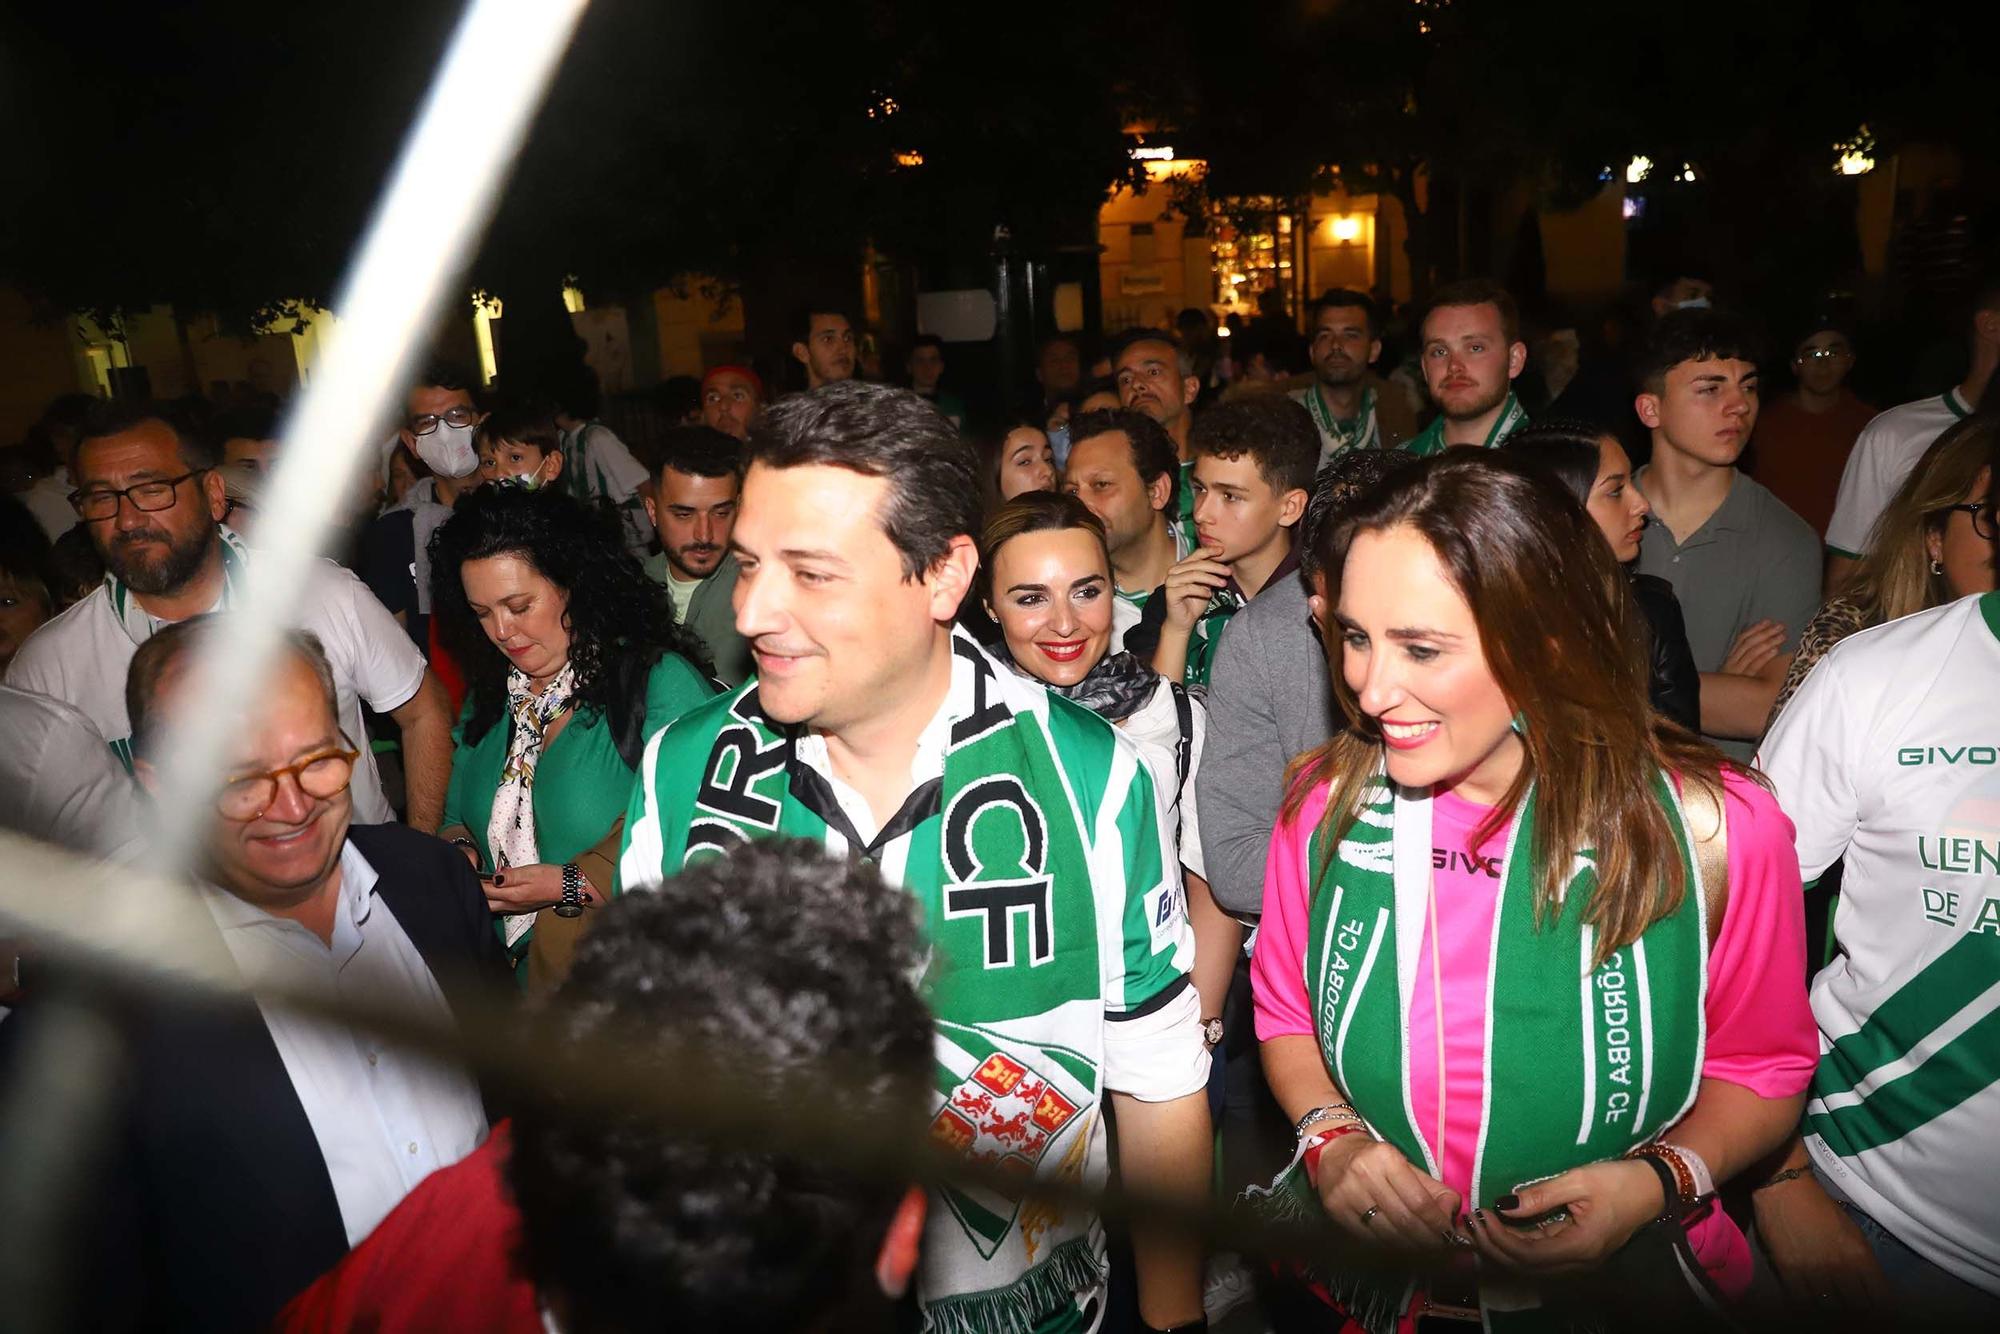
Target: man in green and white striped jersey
1025	830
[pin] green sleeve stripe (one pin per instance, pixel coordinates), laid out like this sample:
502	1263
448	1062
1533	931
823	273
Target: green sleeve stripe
1082	744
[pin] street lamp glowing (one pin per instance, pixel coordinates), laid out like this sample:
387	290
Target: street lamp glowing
1346	228
1856	156
1638	169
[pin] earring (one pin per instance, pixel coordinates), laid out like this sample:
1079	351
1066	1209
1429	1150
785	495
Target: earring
1937	566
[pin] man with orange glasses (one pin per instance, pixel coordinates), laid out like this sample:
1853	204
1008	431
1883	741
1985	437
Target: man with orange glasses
257	1143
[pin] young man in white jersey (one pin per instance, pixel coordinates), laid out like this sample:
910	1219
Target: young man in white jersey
1889	758
1890	445
1025	830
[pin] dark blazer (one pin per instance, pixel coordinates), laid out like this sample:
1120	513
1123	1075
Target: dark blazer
1672	680
214	1206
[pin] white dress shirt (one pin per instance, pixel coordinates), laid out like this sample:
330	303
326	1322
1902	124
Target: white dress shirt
385	1118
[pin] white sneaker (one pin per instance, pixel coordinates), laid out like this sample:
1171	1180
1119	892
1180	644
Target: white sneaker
1229	1285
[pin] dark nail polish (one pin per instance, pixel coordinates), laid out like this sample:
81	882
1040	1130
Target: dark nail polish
1507	1203
499	879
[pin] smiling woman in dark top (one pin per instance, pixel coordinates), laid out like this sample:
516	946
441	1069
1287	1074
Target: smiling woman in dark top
1593	465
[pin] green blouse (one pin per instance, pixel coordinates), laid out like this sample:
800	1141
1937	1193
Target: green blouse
581	785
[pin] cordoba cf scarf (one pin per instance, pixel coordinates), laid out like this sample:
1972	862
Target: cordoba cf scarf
1583	1063
1013	980
1430	440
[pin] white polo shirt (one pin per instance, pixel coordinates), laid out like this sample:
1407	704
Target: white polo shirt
81	658
1884	453
1889	755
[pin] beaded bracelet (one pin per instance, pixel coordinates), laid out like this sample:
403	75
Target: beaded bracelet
1334	1111
1679	1184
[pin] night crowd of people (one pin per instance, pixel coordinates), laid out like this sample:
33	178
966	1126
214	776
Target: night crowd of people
1502	833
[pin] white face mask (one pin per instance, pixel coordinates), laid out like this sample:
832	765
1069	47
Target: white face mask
448	452
1693	303
527	481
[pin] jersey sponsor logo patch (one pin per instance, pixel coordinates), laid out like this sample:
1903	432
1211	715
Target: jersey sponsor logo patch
1910	756
1450	859
1960	854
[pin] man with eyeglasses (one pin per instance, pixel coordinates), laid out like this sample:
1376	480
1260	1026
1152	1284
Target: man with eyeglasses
1804	437
150	496
255	1144
439	421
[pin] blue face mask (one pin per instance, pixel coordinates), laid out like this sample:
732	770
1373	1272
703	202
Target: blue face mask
1059	444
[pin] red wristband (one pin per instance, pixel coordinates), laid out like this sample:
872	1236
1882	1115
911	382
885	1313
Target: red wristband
1317	1145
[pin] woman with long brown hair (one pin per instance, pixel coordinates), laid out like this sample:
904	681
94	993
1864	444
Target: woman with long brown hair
1933	544
1529	974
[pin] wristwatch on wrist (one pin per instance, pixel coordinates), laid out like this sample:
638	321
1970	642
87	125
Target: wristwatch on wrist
572	891
1211	1033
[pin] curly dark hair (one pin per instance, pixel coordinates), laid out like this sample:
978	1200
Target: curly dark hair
1338	484
1277	434
788	962
620	621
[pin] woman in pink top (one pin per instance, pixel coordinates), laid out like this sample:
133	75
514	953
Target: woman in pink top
1530	973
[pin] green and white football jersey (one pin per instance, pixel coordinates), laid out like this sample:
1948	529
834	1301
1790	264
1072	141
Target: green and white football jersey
1889	756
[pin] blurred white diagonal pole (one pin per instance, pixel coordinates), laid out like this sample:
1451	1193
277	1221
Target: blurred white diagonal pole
493	78
440	193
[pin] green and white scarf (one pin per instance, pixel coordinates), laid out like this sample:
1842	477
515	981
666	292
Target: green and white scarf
1207	633
1337	436
141	625
997	859
1430	440
1636	1020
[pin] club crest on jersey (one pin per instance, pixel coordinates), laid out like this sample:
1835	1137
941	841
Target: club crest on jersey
1003	1116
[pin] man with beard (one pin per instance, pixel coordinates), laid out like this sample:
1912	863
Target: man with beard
1346	399
701	471
1471	354
731	398
149	494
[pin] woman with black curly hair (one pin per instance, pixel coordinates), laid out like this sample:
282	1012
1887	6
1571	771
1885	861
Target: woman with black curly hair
572	659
